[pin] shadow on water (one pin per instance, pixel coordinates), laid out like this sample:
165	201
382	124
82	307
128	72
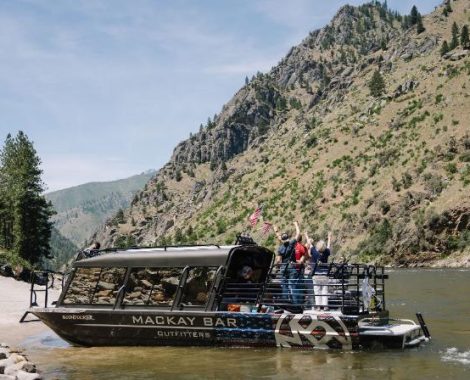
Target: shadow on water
441	295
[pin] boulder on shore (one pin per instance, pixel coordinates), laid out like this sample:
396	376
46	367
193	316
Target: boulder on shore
14	366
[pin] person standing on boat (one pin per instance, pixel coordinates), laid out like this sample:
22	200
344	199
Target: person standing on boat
301	257
93	249
285	256
319	254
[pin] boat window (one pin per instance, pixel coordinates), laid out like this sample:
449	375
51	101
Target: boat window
198	286
110	281
152	286
94	286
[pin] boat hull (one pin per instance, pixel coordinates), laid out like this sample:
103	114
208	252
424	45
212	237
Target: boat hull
94	327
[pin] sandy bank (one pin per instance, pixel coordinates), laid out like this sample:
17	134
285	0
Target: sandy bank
14	301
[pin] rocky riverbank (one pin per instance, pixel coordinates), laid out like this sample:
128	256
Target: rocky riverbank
15	366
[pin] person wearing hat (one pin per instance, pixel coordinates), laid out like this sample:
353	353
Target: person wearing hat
285	255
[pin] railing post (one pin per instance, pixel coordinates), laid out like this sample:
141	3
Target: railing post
342	289
46	296
179	291
214	292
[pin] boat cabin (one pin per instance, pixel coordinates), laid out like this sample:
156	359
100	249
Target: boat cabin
175	278
217	278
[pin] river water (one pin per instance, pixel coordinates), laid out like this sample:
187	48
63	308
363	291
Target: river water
442	295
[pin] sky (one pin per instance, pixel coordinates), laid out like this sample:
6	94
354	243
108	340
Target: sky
106	89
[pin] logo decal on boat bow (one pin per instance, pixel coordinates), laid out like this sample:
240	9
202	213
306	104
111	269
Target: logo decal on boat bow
308	330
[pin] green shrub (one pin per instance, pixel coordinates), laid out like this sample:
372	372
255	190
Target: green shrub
13	260
230	239
406	180
178	176
437	117
312	141
459	242
465	157
396	185
451	168
452	72
384	207
433	183
295	103
119	218
221	226
465	175
412	107
121	242
375	244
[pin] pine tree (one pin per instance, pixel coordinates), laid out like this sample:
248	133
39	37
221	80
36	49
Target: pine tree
6	195
26	224
178	239
464	37
119	216
406	22
414	15
377	84
383	45
419	25
455	36
444	48
447	9
382	13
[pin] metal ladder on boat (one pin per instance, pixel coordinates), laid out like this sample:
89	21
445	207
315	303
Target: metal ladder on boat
39	279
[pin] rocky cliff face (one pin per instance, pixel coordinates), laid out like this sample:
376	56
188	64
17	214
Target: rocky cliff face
387	174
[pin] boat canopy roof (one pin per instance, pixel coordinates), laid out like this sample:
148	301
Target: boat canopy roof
206	256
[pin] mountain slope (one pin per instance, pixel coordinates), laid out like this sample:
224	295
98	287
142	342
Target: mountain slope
81	209
388	175
62	250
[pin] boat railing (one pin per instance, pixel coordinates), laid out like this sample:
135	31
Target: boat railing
350	288
239	292
41	281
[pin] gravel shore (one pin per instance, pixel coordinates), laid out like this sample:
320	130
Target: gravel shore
14	301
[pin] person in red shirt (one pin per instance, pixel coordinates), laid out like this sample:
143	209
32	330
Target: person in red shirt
301	257
301	252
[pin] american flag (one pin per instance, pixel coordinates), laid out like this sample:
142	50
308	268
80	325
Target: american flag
255	216
266	227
